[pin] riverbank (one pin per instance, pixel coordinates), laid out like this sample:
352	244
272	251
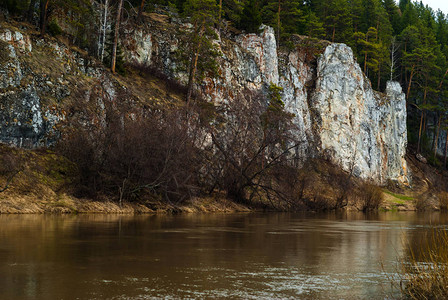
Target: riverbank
65	204
42	182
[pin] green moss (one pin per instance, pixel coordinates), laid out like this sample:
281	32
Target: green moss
399	196
393	208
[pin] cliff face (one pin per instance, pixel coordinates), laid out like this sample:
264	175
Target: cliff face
337	113
23	122
357	128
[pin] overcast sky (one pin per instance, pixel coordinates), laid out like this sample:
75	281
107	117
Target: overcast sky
436	4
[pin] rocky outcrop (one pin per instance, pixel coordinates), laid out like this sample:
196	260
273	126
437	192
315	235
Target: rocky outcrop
23	122
338	115
362	131
37	79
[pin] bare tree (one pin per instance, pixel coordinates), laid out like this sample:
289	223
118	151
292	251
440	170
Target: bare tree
253	139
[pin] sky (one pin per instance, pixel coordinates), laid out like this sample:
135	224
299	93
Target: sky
436	4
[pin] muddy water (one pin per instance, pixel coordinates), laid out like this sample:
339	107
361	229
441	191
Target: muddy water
273	255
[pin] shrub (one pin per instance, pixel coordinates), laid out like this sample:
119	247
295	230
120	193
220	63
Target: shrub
252	145
423	202
10	165
53	28
368	197
128	158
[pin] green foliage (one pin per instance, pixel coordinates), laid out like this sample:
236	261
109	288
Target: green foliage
14	6
232	11
399	196
251	17
313	26
53	28
275	98
197	52
393	14
286	17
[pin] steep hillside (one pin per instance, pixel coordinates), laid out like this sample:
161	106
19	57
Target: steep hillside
50	88
337	113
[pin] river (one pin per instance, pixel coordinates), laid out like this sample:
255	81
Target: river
256	255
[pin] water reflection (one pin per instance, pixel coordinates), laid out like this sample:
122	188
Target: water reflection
240	255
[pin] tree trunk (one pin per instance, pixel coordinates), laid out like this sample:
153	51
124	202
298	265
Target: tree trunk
117	29
278	22
140	11
379	76
443	78
421	119
43	14
30	12
446	148
219	17
104	29
194	65
365	56
420	132
410	82
334	33
425	119
436	138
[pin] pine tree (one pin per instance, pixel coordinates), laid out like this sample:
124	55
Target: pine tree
285	16
251	17
356	10
338	21
116	36
369	49
313	26
292	18
393	13
203	15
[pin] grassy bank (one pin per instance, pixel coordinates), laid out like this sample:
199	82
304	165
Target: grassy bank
64	204
41	181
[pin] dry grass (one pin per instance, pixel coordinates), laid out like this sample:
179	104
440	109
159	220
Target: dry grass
443	200
425	269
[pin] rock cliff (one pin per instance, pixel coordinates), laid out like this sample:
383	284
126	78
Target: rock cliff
337	113
359	129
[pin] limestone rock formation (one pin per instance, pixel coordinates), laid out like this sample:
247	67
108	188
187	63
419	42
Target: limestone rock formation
337	113
362	131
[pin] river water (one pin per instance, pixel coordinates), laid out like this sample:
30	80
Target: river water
272	255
